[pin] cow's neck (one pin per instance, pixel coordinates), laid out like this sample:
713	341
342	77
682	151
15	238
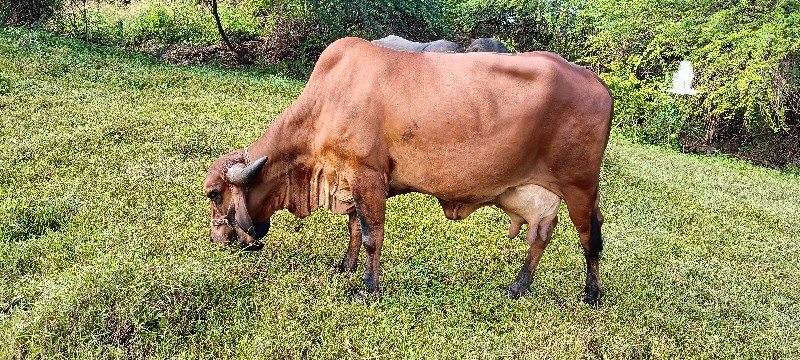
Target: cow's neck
286	177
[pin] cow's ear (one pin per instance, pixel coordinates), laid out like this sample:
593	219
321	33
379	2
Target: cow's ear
240	175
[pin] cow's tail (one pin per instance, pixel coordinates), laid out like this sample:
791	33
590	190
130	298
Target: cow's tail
596	222
610	115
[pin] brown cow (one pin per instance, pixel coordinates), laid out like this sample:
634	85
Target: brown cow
519	132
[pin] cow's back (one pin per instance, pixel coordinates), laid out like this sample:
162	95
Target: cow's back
463	127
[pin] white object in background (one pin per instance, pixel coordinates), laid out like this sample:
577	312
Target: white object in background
682	81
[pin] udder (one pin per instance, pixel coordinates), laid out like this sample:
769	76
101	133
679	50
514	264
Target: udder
531	204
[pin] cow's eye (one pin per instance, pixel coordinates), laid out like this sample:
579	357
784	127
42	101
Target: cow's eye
215	196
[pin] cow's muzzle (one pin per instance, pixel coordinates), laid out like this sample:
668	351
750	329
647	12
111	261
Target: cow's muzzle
250	238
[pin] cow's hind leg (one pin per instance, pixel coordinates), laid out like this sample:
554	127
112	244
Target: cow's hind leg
350	260
585	214
539	236
369	192
538	207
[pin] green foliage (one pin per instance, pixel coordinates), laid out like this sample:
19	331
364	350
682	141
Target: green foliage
154	23
89	22
104	249
300	30
743	54
294	31
526	25
420	20
158	22
647	112
168	24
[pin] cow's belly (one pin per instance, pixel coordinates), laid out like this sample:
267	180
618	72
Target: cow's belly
466	177
465	154
525	204
453	175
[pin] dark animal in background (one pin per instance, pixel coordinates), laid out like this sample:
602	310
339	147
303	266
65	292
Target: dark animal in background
398	43
487	45
370	125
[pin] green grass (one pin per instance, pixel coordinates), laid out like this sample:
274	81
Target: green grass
104	248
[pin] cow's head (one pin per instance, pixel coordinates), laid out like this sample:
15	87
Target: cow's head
227	185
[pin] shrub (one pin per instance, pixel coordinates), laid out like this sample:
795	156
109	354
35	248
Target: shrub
647	112
159	22
742	52
298	31
295	32
524	25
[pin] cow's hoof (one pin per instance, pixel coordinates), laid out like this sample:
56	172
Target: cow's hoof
372	285
593	296
346	269
516	290
362	296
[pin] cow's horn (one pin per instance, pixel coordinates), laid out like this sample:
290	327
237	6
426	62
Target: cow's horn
242	176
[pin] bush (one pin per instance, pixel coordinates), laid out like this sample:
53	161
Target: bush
647	112
159	22
524	25
297	31
744	55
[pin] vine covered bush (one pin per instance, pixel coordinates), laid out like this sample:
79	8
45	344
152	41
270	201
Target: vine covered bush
523	25
745	56
298	30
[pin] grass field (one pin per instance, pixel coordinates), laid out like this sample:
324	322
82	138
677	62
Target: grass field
104	249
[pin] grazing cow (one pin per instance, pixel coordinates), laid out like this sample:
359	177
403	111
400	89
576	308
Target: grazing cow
487	45
373	122
398	43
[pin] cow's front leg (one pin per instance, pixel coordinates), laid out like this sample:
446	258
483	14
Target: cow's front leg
370	196
350	260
